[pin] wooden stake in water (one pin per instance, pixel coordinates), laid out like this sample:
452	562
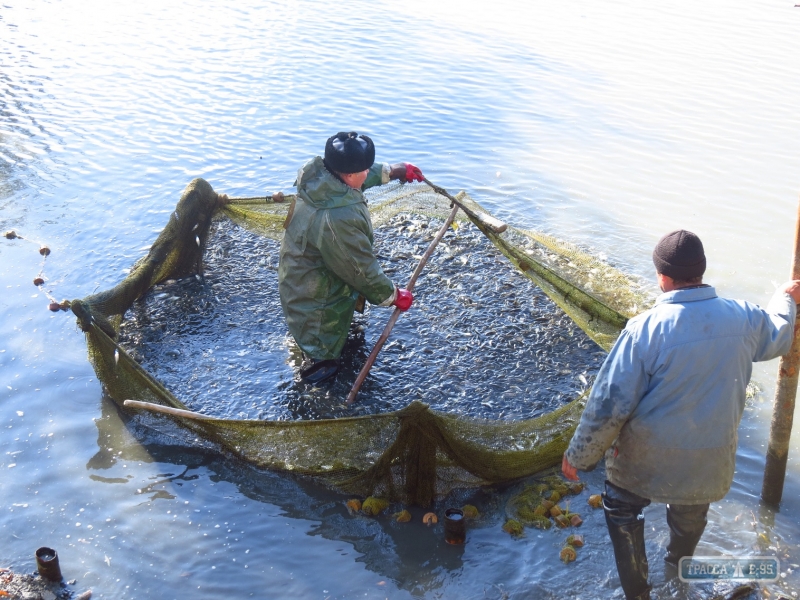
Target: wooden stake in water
783	409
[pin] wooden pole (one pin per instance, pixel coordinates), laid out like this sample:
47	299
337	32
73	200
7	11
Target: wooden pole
351	397
167	410
783	409
493	223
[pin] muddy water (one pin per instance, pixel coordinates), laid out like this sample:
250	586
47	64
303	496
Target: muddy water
603	124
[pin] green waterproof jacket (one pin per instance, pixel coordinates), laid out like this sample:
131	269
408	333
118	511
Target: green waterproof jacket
327	259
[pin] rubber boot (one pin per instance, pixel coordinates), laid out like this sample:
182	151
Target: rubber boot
319	371
686	526
625	522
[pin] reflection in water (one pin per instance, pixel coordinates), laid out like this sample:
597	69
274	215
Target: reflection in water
413	555
21	143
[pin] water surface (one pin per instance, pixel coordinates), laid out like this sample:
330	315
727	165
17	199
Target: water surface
604	124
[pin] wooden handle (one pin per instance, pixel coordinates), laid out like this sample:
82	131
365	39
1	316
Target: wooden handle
362	375
780	431
491	222
168	410
351	397
496	225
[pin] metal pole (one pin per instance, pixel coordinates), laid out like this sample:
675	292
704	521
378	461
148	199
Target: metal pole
783	408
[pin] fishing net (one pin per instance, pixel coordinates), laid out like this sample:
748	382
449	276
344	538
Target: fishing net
411	455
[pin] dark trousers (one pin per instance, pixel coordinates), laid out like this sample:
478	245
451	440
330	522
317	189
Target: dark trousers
625	520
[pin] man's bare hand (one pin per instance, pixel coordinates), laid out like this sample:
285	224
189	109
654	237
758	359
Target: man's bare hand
793	289
568	470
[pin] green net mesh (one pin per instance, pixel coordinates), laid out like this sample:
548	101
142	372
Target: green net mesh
411	455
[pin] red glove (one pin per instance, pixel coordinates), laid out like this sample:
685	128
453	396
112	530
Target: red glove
404	298
568	470
413	173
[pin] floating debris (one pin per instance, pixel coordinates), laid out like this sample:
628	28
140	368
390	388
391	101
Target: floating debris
595	501
44	251
568	554
525	514
575	520
38	281
541	523
576	488
513	527
10	234
19	586
576	541
561	521
470	511
535	505
430	519
374	506
402	517
354	505
54	306
541	511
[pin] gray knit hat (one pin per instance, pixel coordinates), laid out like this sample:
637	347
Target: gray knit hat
680	255
349	152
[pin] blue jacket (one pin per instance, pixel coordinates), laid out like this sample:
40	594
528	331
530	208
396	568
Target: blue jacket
666	404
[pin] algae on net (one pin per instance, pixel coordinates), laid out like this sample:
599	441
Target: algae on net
480	339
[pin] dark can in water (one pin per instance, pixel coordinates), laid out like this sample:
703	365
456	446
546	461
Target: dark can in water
455	530
47	564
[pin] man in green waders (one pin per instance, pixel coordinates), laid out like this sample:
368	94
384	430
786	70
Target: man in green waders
666	405
326	259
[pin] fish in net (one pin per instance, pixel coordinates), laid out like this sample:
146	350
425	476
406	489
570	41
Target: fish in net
410	453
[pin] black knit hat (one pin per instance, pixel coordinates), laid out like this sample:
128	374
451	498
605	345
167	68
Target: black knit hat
349	152
680	255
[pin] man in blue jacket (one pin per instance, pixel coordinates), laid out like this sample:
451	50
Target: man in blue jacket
666	405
